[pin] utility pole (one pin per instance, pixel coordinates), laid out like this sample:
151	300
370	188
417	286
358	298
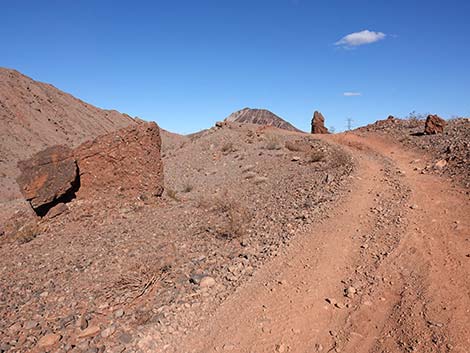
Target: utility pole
349	120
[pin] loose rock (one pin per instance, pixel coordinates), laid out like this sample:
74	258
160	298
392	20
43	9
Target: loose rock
49	340
207	282
89	332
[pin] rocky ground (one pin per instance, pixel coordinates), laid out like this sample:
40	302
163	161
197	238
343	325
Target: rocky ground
448	153
264	240
385	271
110	270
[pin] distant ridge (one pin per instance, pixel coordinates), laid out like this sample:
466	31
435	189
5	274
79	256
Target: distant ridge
260	117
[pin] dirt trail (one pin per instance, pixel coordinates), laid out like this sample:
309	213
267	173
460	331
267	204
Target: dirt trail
399	241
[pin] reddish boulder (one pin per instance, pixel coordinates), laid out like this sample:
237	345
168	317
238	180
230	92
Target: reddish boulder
57	210
126	161
434	125
318	124
48	176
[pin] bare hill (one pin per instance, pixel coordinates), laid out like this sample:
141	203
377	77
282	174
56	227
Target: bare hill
35	115
260	117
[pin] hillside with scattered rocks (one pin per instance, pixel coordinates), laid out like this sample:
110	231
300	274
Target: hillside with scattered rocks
113	267
448	153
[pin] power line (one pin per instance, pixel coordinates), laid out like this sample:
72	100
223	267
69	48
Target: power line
350	121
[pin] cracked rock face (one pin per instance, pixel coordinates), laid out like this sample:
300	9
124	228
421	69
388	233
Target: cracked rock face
127	161
48	177
434	125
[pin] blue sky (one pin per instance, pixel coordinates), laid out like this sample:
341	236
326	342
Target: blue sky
186	64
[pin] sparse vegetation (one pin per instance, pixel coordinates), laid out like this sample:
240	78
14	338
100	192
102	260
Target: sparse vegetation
228	147
138	282
172	194
292	146
27	233
415	119
234	217
340	159
414	115
316	156
187	188
272	142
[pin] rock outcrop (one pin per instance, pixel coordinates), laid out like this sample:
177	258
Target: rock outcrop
36	115
260	117
49	176
127	162
434	125
318	124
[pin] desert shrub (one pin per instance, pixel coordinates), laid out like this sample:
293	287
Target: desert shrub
138	281
27	233
272	142
292	146
414	115
340	159
187	187
227	147
316	156
172	194
233	217
415	119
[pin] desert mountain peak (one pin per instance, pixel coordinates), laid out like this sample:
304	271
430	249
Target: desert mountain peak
260	117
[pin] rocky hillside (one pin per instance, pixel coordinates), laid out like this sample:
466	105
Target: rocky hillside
35	115
260	117
449	151
113	268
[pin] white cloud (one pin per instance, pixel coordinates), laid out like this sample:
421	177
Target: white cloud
360	38
352	94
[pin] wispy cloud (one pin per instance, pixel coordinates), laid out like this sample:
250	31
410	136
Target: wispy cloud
360	38
352	94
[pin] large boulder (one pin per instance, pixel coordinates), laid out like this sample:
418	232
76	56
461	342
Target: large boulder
48	177
127	161
434	125
318	124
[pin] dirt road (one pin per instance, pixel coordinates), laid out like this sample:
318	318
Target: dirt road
388	271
